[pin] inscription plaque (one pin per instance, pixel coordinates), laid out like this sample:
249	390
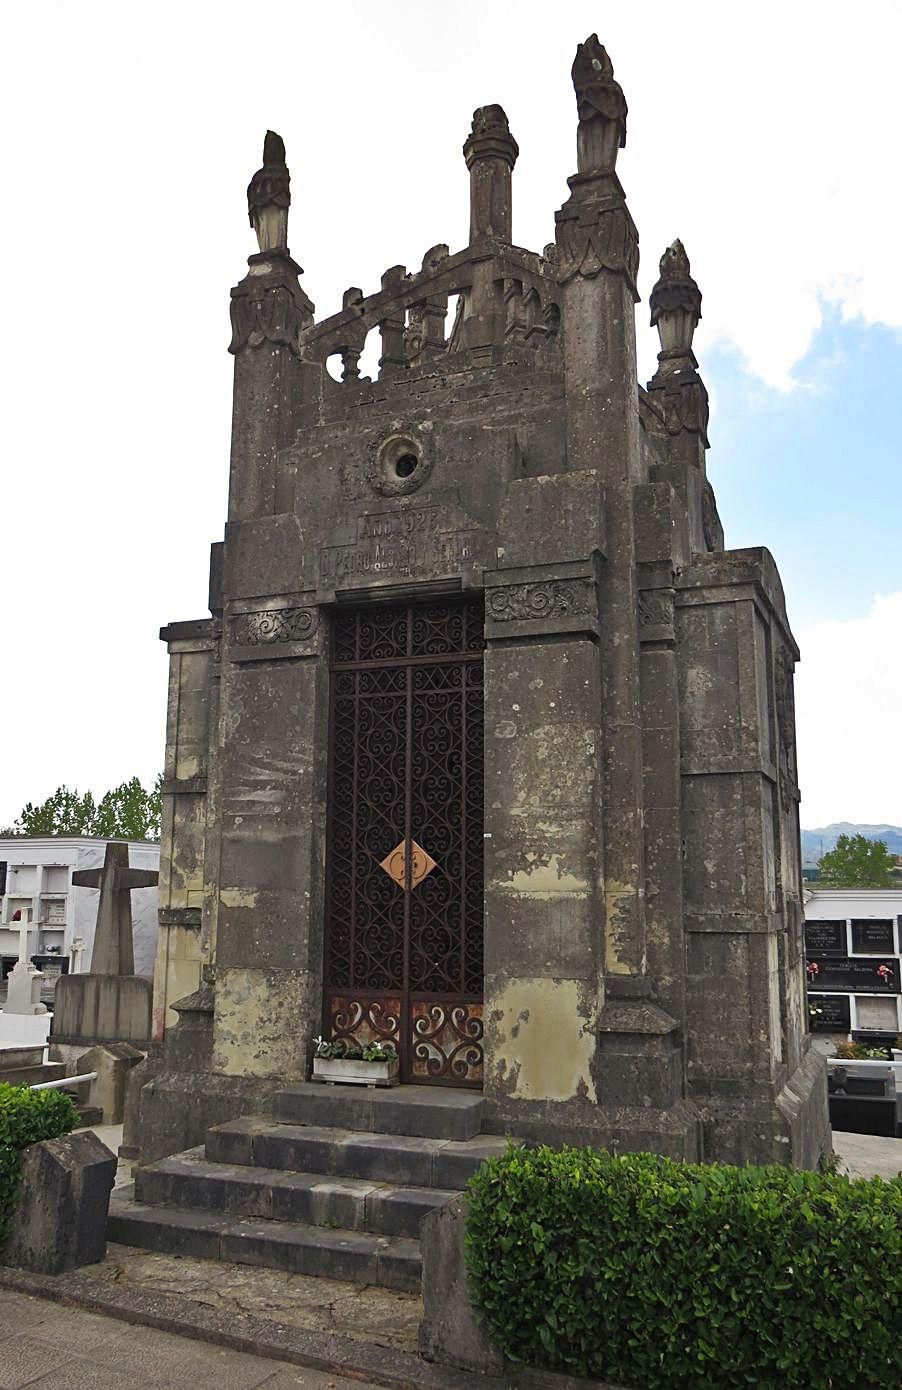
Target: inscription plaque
854	976
832	1013
825	938
402	543
871	935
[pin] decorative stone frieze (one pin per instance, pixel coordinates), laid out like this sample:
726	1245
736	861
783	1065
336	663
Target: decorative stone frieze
270	625
541	600
556	598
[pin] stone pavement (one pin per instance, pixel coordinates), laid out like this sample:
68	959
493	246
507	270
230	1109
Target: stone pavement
384	1317
868	1155
48	1347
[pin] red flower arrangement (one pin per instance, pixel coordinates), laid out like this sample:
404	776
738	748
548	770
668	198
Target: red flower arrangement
885	973
813	969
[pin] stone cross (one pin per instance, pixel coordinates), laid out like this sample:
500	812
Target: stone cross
24	982
24	925
114	949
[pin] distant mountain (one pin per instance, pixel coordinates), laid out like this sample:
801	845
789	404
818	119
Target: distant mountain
816	843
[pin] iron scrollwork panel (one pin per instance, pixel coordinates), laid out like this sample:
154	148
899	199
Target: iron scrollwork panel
404	959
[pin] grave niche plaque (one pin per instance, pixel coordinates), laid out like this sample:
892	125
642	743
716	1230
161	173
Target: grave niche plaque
825	938
856	976
835	1014
872	935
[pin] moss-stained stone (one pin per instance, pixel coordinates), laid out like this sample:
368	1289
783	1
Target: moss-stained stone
541	1039
258	1023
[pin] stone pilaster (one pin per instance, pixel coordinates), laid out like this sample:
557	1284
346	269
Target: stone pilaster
542	943
598	255
269	311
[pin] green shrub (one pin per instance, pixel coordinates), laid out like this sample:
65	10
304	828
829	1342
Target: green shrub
658	1275
25	1117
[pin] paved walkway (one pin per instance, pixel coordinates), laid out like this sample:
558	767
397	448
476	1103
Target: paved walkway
868	1155
51	1347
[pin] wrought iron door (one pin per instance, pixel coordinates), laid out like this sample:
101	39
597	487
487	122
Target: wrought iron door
405	846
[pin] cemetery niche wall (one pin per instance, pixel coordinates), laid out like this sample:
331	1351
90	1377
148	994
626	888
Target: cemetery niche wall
487	745
853	945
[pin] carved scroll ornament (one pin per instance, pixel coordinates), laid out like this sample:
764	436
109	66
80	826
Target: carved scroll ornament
274	625
556	598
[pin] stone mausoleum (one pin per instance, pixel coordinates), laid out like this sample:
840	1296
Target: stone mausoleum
487	746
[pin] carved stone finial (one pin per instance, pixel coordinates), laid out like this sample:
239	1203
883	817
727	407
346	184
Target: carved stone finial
490	152
268	196
601	107
675	302
490	137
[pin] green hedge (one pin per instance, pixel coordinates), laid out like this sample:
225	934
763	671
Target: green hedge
658	1275
25	1117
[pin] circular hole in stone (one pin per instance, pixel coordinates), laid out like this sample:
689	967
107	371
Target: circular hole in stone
405	465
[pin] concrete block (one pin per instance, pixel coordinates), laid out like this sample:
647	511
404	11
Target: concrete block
449	1332
61	1219
112	1062
90	1009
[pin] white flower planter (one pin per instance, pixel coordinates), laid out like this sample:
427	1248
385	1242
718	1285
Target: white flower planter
355	1072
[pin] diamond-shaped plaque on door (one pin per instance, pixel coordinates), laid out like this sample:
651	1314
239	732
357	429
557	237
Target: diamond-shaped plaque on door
395	864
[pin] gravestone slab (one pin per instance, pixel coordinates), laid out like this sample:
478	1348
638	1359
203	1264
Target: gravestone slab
835	1014
60	1221
876	1015
844	973
873	936
825	938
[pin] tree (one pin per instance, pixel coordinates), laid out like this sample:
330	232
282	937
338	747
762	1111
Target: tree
857	862
127	812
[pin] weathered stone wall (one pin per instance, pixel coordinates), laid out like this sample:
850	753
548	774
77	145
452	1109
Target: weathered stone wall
643	981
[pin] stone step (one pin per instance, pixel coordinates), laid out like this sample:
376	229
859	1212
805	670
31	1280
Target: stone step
429	1112
313	1199
27	1056
402	1160
32	1075
393	1262
88	1115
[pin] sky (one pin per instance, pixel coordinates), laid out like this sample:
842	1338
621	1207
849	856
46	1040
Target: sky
765	137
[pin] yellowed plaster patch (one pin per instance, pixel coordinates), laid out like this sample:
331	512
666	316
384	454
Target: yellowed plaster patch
258	1022
620	916
545	880
543	1039
237	897
186	768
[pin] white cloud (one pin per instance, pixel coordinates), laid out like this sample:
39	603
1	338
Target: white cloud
848	704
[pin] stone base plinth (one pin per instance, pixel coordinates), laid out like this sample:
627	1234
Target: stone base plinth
793	1128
